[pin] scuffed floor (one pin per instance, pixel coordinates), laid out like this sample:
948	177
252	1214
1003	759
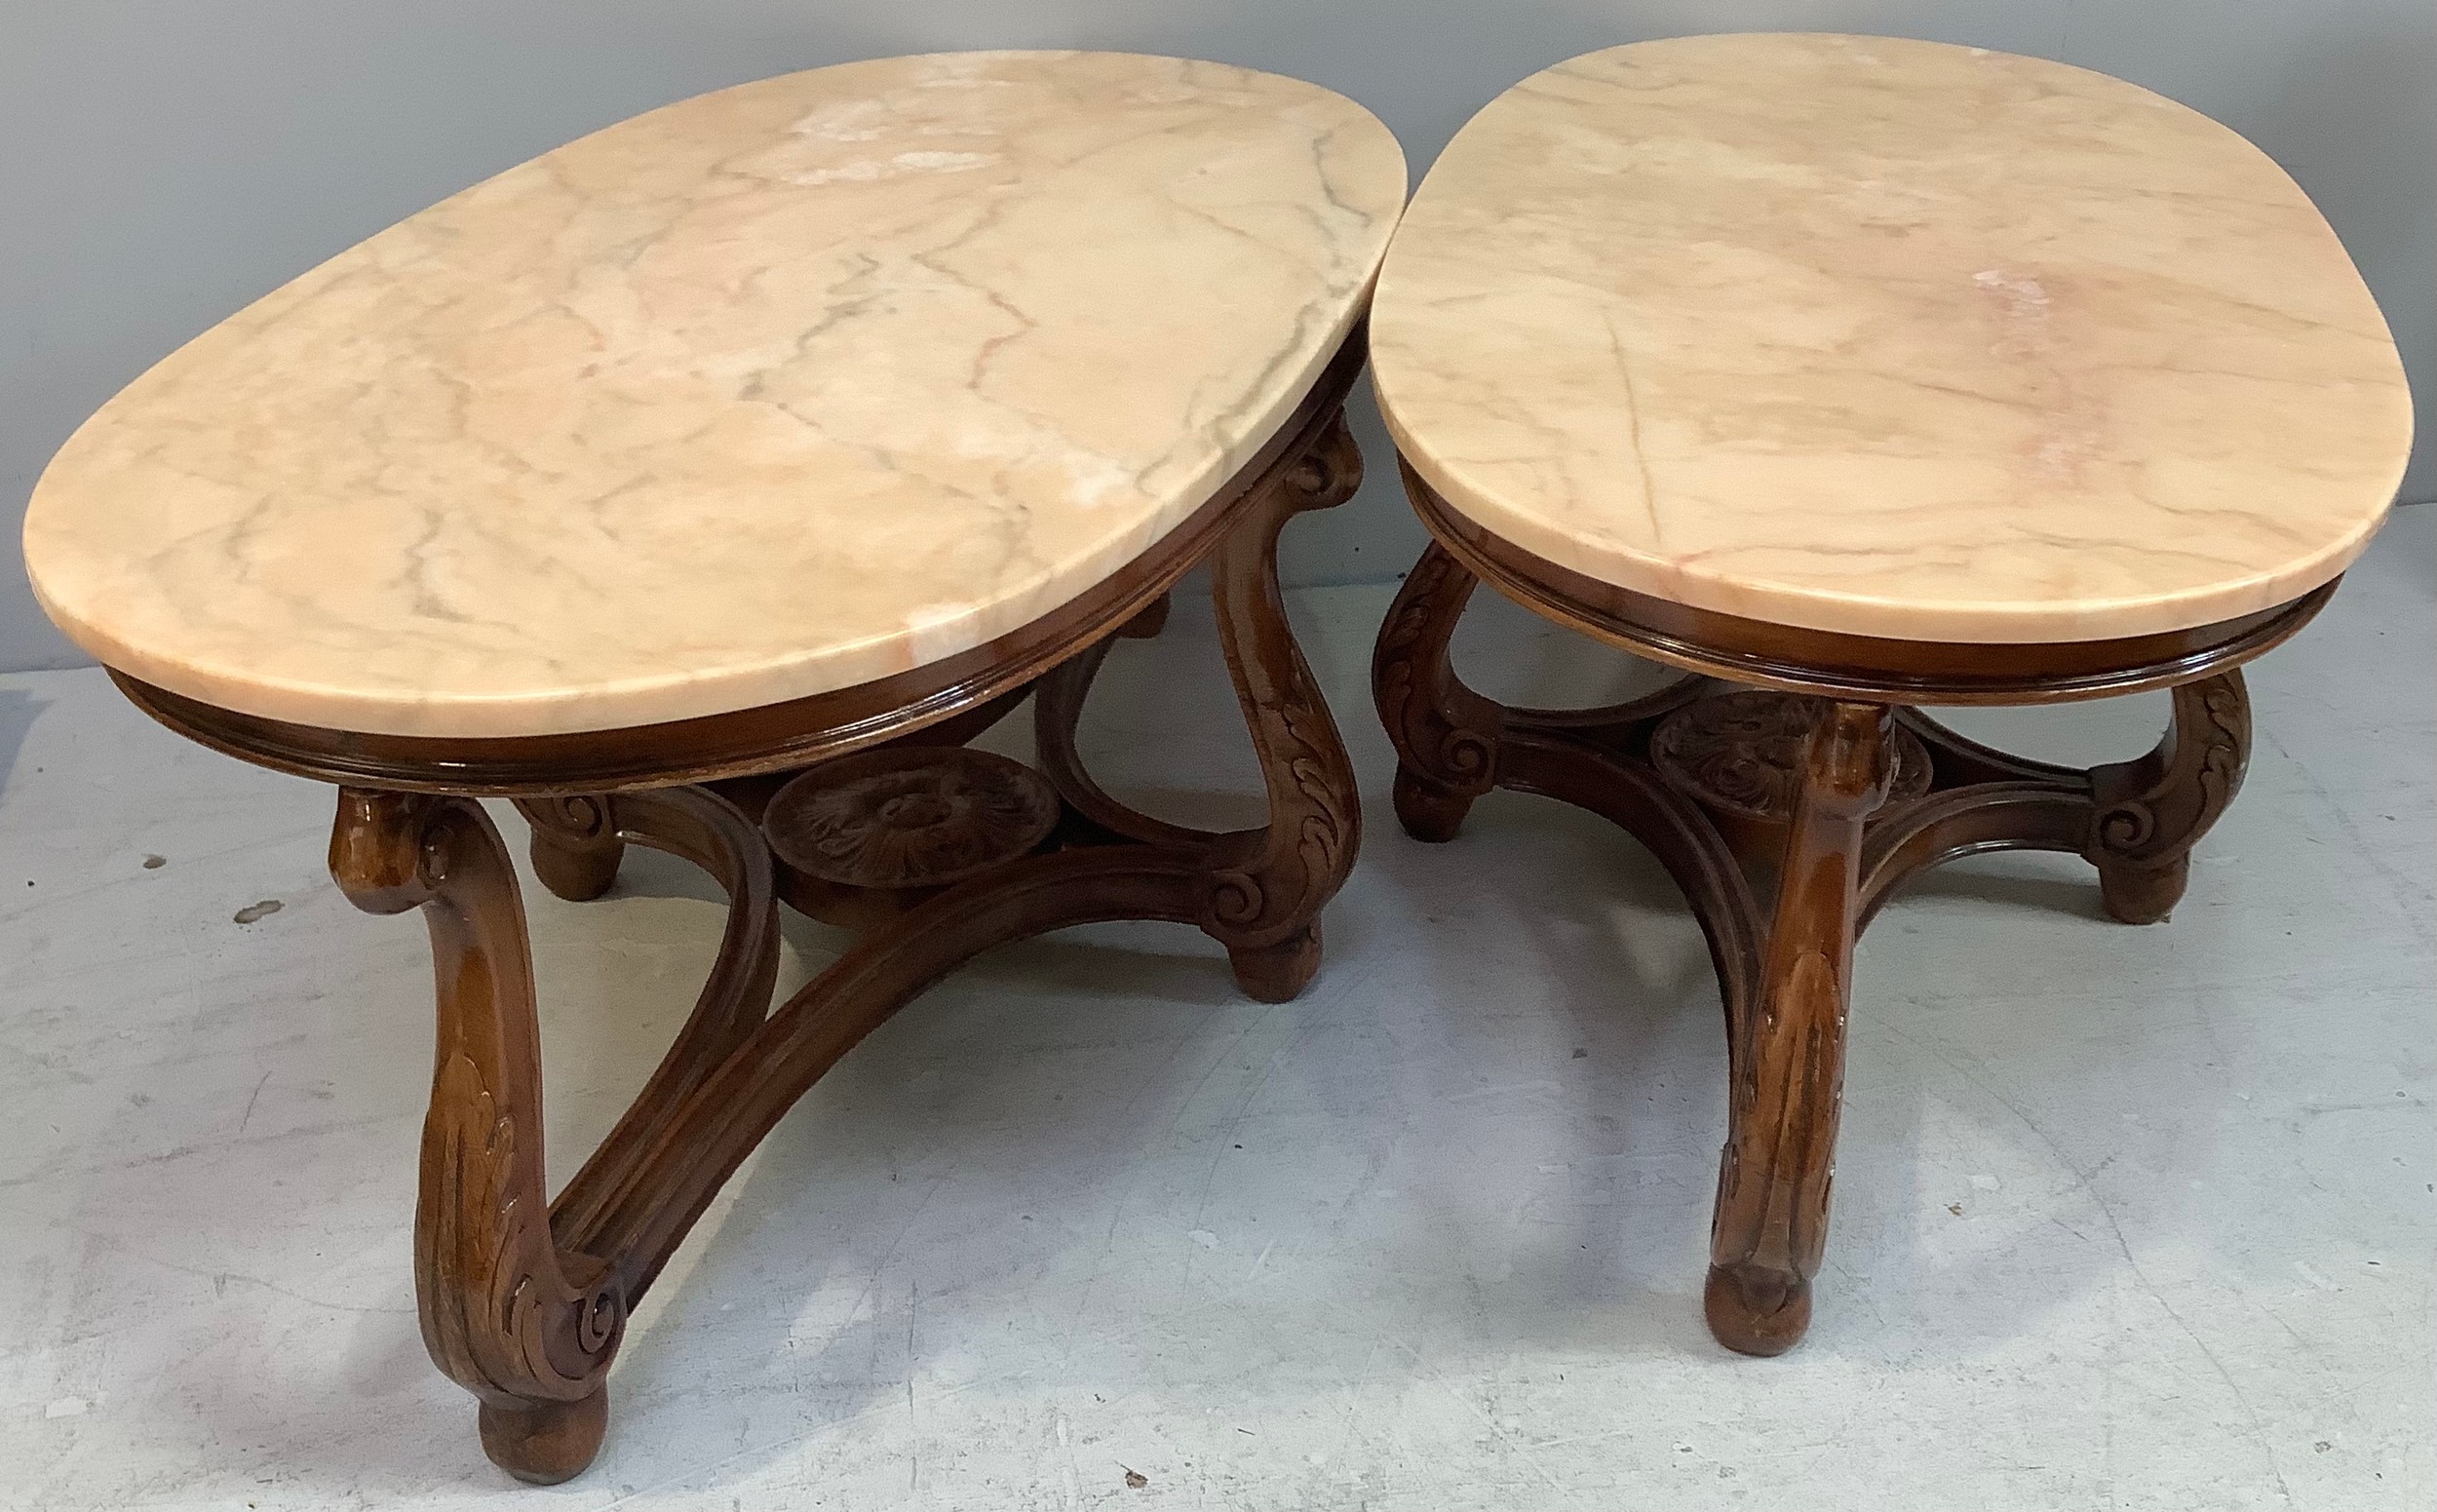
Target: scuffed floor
2126	1217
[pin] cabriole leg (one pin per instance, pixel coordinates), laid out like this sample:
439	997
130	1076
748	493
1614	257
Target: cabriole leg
1446	735
1788	1056
1268	886
529	1327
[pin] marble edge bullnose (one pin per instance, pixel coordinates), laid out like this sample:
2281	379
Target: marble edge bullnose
632	703
593	708
1973	621
74	592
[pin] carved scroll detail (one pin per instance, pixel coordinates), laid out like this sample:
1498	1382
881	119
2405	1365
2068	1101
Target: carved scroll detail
505	1314
1329	470
575	849
1268	886
2150	812
1446	734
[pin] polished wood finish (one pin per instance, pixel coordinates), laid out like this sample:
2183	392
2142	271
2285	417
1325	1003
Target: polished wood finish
2151	810
1263	901
1785	1060
1792	759
862	807
528	1330
576	849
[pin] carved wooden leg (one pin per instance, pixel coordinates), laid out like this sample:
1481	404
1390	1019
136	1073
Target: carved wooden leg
2151	811
529	1327
1788	1058
1268	884
576	849
1446	735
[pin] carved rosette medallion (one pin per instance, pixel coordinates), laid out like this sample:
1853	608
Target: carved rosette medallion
1741	753
911	816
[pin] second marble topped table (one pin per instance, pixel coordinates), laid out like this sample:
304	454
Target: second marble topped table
705	485
1850	373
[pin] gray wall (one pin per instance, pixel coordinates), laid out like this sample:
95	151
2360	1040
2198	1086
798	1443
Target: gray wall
163	162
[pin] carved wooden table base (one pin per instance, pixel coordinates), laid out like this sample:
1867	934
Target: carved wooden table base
933	851
1835	803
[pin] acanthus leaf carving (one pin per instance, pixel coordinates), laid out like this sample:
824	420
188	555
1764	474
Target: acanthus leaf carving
2148	812
501	1312
1271	883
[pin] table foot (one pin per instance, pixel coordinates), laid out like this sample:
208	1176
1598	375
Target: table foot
1755	1311
2143	895
546	1444
1426	809
1277	973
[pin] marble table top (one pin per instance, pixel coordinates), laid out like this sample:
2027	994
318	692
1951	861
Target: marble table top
760	395
1887	337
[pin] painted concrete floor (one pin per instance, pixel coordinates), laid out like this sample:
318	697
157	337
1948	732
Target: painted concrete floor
2126	1217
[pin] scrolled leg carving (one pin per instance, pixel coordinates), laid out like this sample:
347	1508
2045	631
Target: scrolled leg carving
2150	812
1329	471
1788	1058
1268	886
527	1328
576	849
1446	735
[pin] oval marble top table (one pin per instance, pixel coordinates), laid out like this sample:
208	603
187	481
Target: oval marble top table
758	396
1892	338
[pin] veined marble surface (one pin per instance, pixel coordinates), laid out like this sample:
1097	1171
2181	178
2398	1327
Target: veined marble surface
759	394
1889	337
